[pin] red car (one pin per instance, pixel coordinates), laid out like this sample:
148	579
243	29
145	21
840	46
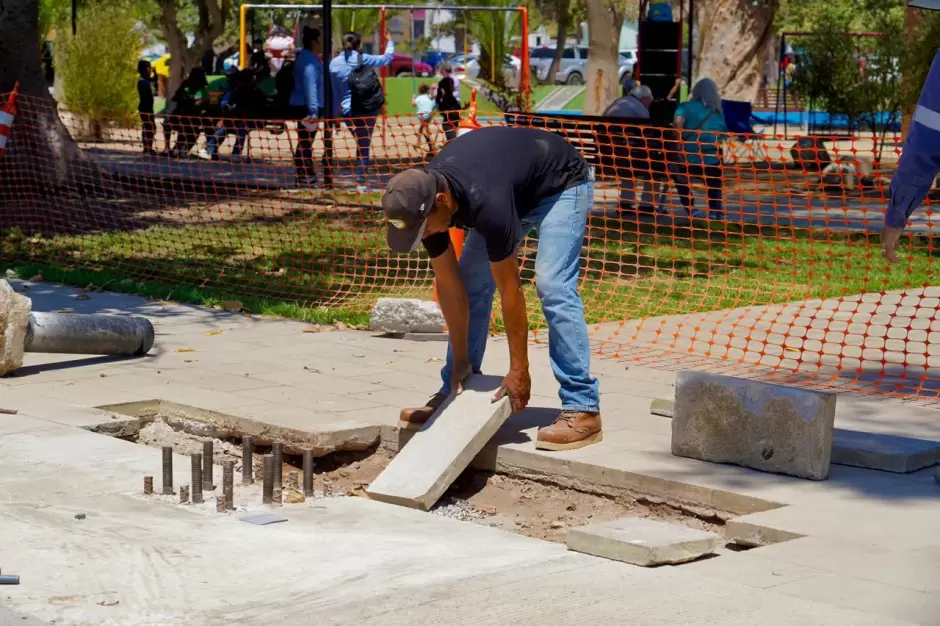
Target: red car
402	65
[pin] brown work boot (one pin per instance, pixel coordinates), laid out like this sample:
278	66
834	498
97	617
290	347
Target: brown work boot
571	430
413	419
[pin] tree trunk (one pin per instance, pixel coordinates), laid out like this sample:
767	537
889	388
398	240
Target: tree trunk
731	42
604	23
212	17
563	17
41	155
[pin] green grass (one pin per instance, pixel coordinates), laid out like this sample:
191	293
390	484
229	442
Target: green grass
325	270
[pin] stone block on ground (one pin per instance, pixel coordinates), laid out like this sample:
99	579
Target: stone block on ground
14	320
773	428
888	453
406	315
642	542
423	470
663	407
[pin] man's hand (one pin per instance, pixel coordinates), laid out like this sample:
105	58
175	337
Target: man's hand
518	386
890	239
459	374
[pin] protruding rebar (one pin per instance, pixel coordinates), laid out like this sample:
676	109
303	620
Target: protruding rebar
148	485
267	481
168	470
277	498
247	459
327	488
308	473
293	480
184	494
277	451
228	484
195	461
207	460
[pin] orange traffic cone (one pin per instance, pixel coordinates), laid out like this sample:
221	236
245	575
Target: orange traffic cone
470	122
7	112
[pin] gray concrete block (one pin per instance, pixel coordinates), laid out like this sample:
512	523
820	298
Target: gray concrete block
888	453
769	427
423	470
406	315
14	320
642	541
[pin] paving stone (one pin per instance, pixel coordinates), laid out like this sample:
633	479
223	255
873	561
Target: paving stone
663	407
769	427
642	541
407	315
888	453
444	447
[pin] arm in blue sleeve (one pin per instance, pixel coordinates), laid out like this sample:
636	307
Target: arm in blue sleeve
911	182
312	88
378	60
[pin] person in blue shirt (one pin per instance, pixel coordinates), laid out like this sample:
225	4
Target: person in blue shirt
701	125
306	104
360	123
920	158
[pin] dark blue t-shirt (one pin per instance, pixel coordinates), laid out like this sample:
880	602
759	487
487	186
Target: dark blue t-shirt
498	175
145	93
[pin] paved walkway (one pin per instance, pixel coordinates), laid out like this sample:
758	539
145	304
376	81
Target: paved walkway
866	547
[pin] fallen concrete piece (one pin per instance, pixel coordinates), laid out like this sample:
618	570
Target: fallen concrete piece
760	425
423	470
406	315
642	542
663	407
887	453
14	320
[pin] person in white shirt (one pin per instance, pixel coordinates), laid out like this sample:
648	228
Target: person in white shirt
279	45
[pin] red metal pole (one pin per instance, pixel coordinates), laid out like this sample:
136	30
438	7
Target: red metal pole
524	78
383	37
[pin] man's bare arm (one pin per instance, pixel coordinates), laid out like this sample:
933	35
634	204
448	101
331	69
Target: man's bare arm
452	294
517	383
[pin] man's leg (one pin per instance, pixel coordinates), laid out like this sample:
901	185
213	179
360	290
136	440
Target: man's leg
557	270
478	280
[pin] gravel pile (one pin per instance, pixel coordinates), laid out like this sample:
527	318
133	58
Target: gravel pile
458	509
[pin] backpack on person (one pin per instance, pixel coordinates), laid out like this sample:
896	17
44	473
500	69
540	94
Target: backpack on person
365	89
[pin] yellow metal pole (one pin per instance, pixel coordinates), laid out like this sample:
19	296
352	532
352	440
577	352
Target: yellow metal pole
242	26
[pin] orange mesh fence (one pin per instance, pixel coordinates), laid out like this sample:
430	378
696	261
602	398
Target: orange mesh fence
777	274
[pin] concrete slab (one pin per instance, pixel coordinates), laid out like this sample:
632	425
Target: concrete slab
767	427
642	542
663	407
444	447
889	453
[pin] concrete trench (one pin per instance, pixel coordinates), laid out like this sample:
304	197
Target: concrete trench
346	461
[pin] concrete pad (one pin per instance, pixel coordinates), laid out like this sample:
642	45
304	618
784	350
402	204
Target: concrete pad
751	569
444	447
663	407
642	542
768	427
888	453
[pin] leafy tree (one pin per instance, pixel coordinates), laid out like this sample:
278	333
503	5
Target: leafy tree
98	81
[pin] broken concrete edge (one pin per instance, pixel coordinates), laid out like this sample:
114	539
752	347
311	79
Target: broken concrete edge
751	535
224	425
442	336
888	453
643	542
663	407
14	322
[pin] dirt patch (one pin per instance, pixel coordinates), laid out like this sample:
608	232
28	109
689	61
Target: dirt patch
521	505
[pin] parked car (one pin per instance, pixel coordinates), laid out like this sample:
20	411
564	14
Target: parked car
403	65
435	57
573	67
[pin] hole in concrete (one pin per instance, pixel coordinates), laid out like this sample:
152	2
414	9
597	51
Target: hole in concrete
534	508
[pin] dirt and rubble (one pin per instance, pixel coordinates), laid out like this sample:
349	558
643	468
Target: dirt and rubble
520	505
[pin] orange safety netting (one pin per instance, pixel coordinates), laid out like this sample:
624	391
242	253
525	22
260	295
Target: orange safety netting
786	283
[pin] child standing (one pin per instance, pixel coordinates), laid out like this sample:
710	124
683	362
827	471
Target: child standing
424	104
145	107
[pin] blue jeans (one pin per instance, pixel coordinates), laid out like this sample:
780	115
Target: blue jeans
241	134
561	221
361	128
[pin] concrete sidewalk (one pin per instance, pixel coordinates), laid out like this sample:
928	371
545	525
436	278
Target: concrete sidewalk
868	548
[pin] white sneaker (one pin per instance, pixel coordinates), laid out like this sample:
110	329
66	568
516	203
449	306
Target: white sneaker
204	155
362	189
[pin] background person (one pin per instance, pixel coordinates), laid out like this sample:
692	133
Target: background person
634	105
448	102
306	104
701	124
424	105
148	127
278	45
358	106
